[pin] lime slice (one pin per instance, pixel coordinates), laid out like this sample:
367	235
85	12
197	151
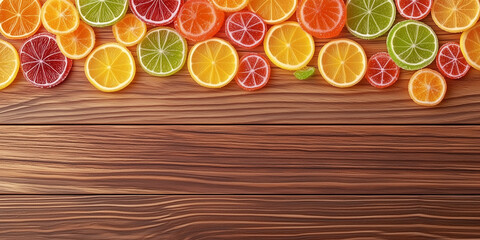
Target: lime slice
102	13
369	19
162	52
412	45
305	73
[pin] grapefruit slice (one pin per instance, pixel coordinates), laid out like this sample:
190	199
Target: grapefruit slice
199	20
42	62
382	72
245	29
322	18
254	72
450	61
156	12
414	9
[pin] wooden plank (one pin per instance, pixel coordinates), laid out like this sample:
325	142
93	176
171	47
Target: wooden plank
239	217
178	100
240	160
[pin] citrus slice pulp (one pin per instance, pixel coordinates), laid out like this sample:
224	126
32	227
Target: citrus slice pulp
322	18
9	64
273	11
19	18
60	16
79	43
129	31
102	13
254	72
199	20
427	87
470	46
245	29
156	12
382	72
455	16
412	45
230	5
42	62
213	63
450	61
369	19
414	9
342	63
110	67
288	46
162	52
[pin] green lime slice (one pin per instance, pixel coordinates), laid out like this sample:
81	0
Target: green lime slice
369	19
102	13
412	45
305	73
163	52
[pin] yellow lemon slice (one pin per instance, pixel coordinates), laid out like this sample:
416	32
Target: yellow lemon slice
273	11
9	64
230	5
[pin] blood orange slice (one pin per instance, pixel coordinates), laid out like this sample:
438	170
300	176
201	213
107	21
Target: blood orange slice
245	29
322	18
42	62
450	61
156	12
254	72
199	20
382	71
414	9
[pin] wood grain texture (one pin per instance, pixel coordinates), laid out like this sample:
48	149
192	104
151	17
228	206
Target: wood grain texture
178	100
239	217
240	160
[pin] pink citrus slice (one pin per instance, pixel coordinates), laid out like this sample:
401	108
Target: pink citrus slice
42	62
450	61
156	12
414	9
382	72
254	72
245	29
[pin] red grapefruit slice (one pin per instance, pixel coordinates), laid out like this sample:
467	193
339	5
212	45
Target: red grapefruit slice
156	12
42	62
245	29
199	20
450	61
254	72
322	18
414	9
382	71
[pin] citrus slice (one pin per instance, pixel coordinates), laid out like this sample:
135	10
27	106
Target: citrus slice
382	72
110	67
427	87
470	46
60	16
213	63
254	72
414	9
102	13
273	11
305	73
42	62
450	61
162	52
199	20
156	12
245	29
342	63
288	46
455	16
129	31
230	5
369	19
19	18
322	18
79	43
412	44
9	64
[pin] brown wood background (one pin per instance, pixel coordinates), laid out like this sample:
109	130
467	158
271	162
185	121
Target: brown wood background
168	159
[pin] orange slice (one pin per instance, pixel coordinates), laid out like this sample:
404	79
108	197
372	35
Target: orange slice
19	18
60	16
78	44
455	16
129	31
273	11
427	87
230	5
470	46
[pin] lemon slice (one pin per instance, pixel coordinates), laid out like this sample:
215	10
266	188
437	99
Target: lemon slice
9	64
273	11
455	16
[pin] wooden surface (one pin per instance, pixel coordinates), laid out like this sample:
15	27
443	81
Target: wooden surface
168	159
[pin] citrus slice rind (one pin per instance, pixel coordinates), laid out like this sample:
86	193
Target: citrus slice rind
110	67
9	64
288	46
470	46
427	87
273	11
101	13
412	45
342	63
455	16
129	31
60	17
163	52
14	25
213	63
156	12
369	19
79	43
